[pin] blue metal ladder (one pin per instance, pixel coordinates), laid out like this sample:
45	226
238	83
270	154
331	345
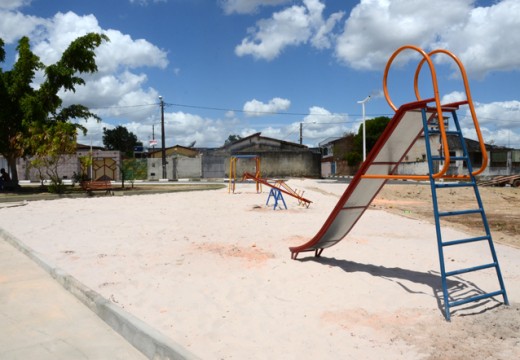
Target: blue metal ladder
449	301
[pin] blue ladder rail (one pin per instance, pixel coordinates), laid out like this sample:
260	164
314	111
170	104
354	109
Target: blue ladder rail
448	304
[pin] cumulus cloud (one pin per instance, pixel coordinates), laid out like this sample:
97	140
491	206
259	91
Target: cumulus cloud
484	38
321	124
13	4
14	25
292	26
120	52
375	28
258	108
499	121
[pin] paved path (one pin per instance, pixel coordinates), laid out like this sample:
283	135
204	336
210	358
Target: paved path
41	320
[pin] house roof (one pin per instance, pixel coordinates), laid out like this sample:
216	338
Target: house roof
88	147
248	140
177	149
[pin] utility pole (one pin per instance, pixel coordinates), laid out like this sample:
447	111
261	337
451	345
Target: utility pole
163	149
301	133
362	102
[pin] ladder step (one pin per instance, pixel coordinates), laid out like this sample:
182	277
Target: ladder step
476	298
440	158
471	269
465	241
460	212
453	185
448	132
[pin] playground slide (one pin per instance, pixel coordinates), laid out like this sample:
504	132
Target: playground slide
397	139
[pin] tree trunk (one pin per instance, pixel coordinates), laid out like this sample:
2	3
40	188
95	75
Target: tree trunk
11	163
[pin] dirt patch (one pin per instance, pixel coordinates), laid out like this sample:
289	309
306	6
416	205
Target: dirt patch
251	254
502	206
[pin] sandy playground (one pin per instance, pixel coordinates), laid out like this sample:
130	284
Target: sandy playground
212	271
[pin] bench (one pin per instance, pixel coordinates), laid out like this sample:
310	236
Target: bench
103	185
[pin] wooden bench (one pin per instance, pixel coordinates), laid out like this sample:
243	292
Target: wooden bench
103	185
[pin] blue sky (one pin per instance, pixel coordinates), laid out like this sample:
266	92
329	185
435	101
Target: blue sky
244	66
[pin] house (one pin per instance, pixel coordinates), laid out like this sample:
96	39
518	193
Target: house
279	158
501	160
335	154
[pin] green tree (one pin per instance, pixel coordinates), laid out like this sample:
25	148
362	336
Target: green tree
232	138
120	139
375	128
26	112
353	154
56	143
133	169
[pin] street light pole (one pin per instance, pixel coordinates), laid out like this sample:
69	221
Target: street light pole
163	149
362	102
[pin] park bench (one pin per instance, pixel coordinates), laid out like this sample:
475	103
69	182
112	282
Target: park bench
96	185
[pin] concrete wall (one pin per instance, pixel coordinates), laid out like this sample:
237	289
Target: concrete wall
154	169
177	167
277	164
187	168
214	166
68	165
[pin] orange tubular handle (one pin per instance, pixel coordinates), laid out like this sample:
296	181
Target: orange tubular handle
469	101
444	140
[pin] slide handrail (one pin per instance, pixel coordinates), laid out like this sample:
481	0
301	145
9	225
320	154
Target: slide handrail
469	100
444	139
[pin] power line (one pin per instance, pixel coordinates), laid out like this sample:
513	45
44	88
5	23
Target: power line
214	108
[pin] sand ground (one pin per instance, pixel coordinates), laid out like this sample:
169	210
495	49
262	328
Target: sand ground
213	271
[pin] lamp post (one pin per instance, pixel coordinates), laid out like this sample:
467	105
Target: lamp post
362	102
163	149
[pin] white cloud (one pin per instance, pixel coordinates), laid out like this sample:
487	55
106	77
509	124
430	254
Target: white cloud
248	6
453	97
292	26
376	28
14	25
484	38
120	52
499	121
258	108
321	124
505	114
13	4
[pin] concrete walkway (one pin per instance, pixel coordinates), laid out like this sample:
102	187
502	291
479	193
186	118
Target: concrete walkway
41	320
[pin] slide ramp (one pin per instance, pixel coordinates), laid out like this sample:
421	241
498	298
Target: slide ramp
397	139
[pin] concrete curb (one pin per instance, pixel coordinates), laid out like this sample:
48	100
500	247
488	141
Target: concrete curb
149	341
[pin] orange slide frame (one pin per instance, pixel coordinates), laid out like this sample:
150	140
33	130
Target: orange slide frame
439	109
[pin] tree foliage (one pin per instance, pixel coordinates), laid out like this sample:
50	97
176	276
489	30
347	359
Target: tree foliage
133	169
375	128
232	138
120	139
351	149
33	121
